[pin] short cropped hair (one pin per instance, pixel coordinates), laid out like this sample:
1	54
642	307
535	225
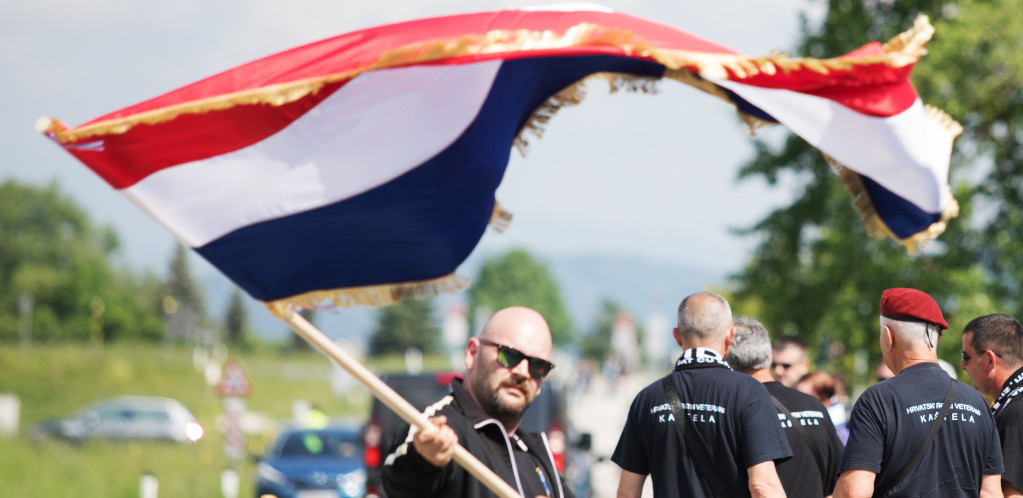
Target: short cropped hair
789	340
914	334
704	315
1000	333
751	348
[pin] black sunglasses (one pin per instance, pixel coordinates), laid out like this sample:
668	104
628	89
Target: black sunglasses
510	357
966	357
784	366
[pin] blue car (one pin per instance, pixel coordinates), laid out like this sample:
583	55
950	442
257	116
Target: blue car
313	463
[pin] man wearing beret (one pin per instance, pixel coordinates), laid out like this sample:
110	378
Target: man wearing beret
892	450
993	357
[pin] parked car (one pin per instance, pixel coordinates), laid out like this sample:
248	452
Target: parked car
127	417
547	414
313	463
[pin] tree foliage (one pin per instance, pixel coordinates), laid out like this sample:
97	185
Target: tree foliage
184	303
236	320
817	274
181	285
408	324
597	344
519	279
975	72
59	260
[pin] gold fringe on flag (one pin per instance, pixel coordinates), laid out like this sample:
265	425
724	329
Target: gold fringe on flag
574	95
902	50
872	222
372	295
500	219
696	81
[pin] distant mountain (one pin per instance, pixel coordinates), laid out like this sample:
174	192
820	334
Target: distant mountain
639	286
642	287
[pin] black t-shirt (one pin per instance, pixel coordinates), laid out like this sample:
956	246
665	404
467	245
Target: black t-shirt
730	413
801	475
890	422
1009	419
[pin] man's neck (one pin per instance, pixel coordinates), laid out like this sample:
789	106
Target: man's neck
717	348
761	374
1001	376
911	358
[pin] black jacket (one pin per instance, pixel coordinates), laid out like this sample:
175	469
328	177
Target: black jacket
407	474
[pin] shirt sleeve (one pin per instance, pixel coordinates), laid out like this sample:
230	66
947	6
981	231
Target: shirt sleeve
763	438
405	473
629	453
865	448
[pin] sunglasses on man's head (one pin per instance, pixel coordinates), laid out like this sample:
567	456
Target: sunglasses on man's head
510	357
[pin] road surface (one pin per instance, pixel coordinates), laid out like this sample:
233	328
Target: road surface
601	411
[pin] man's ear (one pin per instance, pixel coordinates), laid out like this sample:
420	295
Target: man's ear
471	348
888	337
992	361
729	337
677	336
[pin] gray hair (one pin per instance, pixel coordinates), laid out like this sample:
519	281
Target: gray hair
704	315
751	348
915	335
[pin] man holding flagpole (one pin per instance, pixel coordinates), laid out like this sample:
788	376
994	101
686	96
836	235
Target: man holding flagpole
504	369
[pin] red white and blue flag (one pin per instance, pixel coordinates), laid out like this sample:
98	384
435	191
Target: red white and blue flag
363	167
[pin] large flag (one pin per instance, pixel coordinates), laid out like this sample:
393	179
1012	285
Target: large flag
362	168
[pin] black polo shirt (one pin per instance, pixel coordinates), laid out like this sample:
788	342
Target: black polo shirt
890	422
731	413
1009	420
803	475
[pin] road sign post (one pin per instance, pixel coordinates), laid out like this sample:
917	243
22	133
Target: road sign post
234	385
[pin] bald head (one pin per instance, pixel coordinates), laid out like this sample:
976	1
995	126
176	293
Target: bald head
505	383
704	316
521	328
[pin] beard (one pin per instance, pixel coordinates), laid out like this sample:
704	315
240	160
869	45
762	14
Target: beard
508	411
504	410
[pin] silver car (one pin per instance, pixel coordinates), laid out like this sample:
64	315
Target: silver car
127	417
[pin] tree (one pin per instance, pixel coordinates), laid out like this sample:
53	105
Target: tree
597	344
180	283
183	304
518	279
236	321
975	73
408	324
816	273
55	259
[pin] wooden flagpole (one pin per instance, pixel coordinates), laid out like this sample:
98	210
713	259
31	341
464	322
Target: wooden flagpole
389	397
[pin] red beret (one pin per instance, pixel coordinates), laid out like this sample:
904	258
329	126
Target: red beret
911	304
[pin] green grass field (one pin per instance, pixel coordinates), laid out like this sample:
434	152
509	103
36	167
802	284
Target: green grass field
54	381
